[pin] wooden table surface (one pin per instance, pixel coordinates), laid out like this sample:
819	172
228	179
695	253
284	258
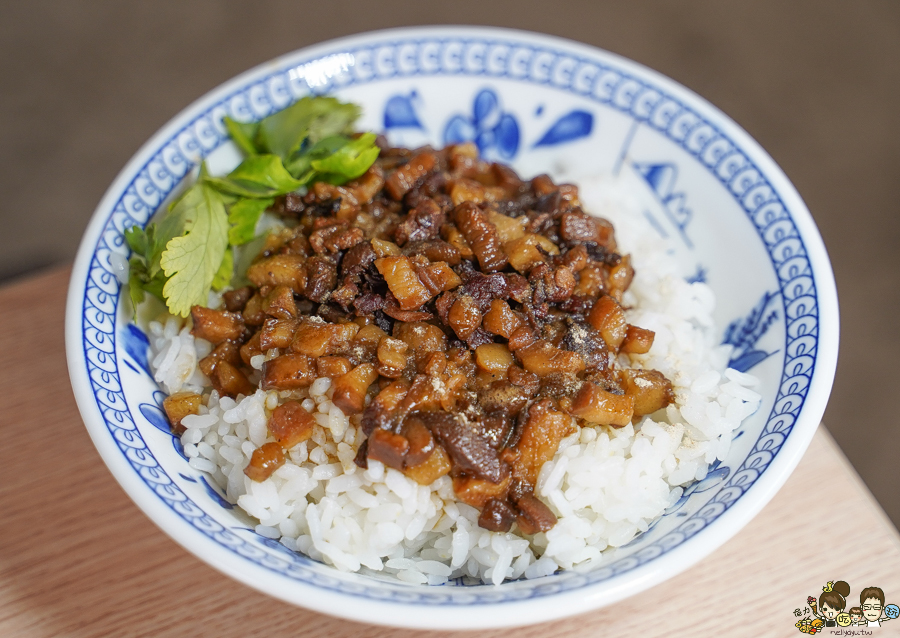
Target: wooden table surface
77	558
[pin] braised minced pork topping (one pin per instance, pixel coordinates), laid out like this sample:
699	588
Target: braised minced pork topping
472	318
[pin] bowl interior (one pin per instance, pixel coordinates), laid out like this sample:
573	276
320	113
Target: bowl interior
724	210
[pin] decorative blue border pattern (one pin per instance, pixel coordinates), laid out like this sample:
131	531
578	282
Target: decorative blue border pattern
504	58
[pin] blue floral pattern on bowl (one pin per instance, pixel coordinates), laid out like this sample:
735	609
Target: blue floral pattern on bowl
744	333
494	131
572	126
400	112
662	179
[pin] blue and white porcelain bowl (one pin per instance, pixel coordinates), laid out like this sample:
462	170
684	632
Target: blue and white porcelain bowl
730	215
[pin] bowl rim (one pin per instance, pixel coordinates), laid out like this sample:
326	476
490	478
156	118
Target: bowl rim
425	615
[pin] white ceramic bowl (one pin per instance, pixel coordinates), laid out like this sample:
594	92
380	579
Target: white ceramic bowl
542	103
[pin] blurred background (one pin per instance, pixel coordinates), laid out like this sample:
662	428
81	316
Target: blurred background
816	82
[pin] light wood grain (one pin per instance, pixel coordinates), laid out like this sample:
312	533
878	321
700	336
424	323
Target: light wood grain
77	558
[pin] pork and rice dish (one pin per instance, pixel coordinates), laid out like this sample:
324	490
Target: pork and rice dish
429	367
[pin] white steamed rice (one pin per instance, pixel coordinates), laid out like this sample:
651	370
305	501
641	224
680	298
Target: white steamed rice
606	485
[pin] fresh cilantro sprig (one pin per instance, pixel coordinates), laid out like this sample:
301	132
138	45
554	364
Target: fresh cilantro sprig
304	123
192	260
243	216
258	176
190	249
178	258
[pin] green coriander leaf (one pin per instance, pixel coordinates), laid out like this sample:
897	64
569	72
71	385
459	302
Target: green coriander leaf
260	176
306	121
333	117
228	199
328	145
204	176
144	274
156	284
264	171
242	133
154	250
137	240
181	215
137	273
301	169
301	165
140	281
243	217
192	260
226	270
349	161
135	294
143	244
